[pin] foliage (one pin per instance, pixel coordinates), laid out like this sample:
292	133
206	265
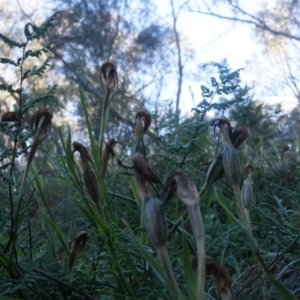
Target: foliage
73	225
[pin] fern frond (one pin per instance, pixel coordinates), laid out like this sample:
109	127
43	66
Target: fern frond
40	97
37	71
10	42
43	28
39	52
9	88
4	60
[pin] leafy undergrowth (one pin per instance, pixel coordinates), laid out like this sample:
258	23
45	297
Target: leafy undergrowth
115	222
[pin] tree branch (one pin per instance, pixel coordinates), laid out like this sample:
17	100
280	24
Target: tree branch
179	63
253	20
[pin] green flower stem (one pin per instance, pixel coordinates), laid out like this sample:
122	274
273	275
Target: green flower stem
166	265
104	109
198	229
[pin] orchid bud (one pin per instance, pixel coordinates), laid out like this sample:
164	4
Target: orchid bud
231	163
215	171
247	190
231	160
247	194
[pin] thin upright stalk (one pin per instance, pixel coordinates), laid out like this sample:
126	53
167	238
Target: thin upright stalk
198	229
166	265
104	109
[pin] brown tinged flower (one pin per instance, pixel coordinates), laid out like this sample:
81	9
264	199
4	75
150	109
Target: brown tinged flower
40	122
248	168
89	176
221	278
184	188
142	123
84	155
226	130
16	118
186	191
108	74
238	136
107	154
11	116
145	176
77	245
231	136
154	218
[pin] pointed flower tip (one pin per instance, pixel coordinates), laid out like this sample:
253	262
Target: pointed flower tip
108	74
238	136
142	170
234	136
41	122
109	147
184	188
142	116
223	121
248	168
40	116
84	154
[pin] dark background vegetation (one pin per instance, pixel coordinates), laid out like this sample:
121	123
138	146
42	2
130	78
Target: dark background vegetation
147	52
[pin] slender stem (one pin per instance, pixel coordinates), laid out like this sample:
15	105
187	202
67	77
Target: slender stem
104	108
201	268
246	222
198	229
166	265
